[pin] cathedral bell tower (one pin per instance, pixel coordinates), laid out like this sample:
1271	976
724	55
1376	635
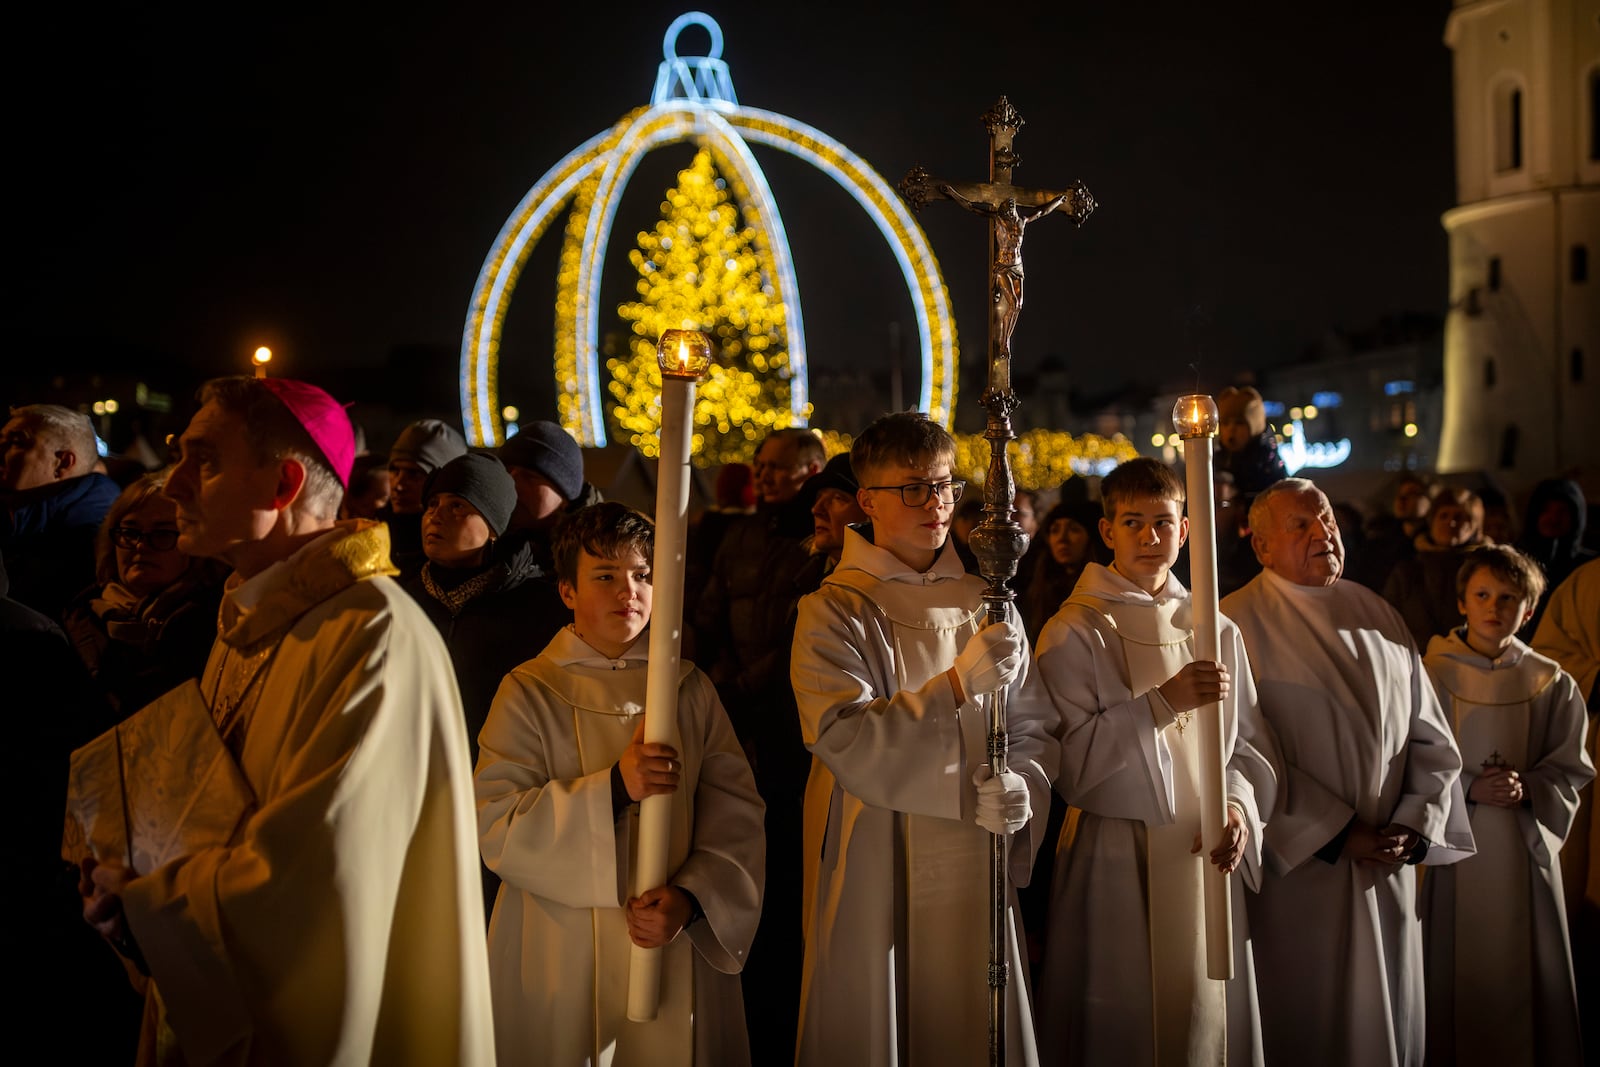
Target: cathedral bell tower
1522	338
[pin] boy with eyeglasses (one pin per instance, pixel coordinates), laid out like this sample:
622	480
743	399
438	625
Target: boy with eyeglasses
891	658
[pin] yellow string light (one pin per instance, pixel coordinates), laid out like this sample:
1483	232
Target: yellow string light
1040	459
706	266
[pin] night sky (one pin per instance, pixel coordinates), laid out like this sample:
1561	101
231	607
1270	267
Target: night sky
193	186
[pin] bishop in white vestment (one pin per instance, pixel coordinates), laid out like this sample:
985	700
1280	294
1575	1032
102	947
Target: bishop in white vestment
340	920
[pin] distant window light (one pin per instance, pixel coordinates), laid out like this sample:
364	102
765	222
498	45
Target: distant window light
1273	409
1411	411
1508	448
1580	264
1507	127
1488	373
1576	365
1326	399
1398	386
1494	274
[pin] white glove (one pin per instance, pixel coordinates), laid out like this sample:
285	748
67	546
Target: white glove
992	658
1003	803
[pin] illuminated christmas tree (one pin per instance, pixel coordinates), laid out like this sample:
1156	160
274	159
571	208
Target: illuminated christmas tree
706	267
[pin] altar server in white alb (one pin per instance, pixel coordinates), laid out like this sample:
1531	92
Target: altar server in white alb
1371	787
339	920
562	767
1500	984
890	657
1125	974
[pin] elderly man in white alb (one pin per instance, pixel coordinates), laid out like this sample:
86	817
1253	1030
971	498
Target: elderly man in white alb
1371	773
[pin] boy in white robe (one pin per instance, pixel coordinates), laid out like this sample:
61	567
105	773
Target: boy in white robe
890	658
562	766
1125	963
1500	984
1370	787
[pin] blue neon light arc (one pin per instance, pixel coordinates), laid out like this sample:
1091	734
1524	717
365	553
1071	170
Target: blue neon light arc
920	247
693	100
688	120
546	197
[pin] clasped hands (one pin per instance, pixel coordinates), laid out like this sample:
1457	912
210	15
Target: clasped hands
1499	787
1370	846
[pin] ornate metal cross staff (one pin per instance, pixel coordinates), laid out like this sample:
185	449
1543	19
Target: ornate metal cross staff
998	541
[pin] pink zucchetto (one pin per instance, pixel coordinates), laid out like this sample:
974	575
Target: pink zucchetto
324	418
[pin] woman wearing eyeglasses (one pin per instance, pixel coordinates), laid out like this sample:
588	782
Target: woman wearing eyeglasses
149	621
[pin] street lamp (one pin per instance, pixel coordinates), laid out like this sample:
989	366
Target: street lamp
261	358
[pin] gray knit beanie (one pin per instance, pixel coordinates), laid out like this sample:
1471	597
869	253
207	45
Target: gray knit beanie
549	451
428	443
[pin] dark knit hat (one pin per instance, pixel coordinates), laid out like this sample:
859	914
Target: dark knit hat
428	443
482	481
835	474
549	451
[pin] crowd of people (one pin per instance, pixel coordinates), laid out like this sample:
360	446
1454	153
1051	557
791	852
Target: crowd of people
351	752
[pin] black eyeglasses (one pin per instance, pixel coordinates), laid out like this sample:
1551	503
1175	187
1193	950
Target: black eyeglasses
916	494
157	540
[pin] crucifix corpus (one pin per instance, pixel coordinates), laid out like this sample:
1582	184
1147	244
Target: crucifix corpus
998	541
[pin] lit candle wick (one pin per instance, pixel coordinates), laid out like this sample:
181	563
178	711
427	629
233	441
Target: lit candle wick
683	355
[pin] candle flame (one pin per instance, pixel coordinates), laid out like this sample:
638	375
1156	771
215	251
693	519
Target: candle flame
683	355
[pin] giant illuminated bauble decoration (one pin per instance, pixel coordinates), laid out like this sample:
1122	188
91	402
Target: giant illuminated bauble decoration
693	101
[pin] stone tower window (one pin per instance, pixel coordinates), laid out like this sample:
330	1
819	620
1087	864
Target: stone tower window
1507	127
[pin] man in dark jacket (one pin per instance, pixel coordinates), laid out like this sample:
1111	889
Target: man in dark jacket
54	501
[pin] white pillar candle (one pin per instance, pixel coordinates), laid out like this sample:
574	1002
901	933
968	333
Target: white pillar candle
666	640
1196	420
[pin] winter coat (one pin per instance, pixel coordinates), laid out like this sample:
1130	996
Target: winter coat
498	628
47	537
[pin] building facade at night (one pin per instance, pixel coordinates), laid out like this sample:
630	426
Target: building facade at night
1522	336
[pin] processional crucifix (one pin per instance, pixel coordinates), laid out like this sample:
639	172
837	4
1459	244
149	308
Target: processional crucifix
998	541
